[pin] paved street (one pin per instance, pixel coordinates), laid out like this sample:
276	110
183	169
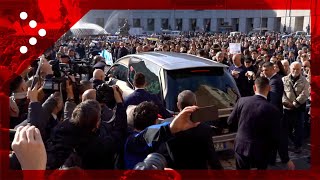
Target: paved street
301	161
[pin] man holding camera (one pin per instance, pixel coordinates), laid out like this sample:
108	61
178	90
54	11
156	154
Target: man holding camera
91	139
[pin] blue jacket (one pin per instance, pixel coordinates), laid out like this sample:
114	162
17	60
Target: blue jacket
140	144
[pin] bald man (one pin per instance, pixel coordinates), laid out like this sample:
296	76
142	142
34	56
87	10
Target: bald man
89	94
106	113
98	77
238	72
194	141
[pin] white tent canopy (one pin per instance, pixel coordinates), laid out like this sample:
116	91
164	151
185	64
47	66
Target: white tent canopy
83	28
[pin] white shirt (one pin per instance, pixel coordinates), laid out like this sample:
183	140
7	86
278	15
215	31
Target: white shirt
54	116
138	88
261	95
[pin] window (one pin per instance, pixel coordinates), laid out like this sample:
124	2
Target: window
150	71
150	24
193	24
221	21
165	23
207	24
264	22
178	24
136	23
119	72
212	86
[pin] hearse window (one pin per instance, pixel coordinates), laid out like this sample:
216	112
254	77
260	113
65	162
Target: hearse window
151	72
119	72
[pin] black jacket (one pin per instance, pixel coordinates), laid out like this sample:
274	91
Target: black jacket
40	116
192	149
95	149
259	128
141	95
276	92
122	51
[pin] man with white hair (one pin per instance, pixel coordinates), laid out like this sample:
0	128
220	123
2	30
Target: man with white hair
219	57
286	65
296	93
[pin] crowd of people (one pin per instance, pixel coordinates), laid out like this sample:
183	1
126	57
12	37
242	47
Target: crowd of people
87	124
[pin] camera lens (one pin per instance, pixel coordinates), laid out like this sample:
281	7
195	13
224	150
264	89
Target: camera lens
153	161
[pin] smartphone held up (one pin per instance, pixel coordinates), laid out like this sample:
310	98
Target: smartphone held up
203	114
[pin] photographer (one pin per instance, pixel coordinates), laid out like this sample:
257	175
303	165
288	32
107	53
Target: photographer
18	101
44	117
48	112
88	137
98	78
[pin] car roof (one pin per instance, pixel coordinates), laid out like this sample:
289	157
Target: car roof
174	61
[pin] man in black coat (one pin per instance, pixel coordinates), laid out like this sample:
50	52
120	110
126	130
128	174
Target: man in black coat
275	98
276	84
193	148
49	114
92	140
122	51
140	95
259	129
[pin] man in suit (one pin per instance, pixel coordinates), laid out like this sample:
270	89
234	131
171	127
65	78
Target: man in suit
275	98
276	84
123	51
258	129
140	95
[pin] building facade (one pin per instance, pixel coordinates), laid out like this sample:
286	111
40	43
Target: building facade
201	20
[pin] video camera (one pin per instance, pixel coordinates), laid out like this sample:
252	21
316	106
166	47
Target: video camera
77	68
153	161
83	66
105	95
